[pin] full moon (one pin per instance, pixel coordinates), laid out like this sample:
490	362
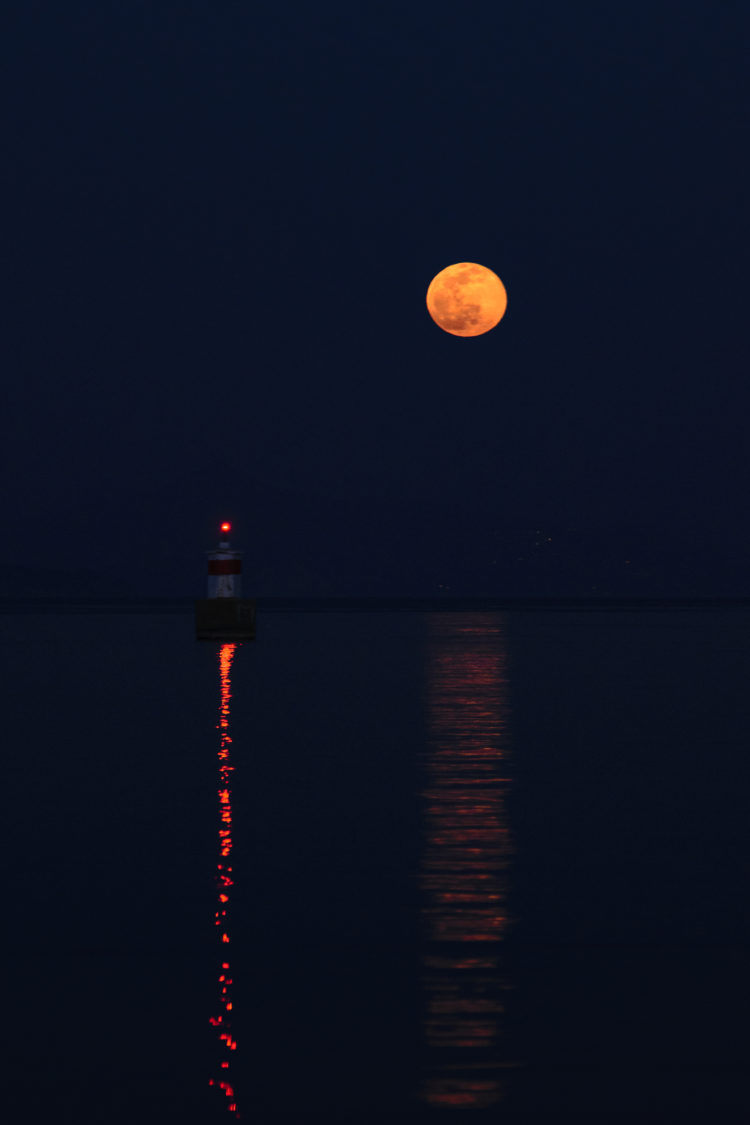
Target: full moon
466	299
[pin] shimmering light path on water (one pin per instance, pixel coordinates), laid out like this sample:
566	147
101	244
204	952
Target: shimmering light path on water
464	865
222	1020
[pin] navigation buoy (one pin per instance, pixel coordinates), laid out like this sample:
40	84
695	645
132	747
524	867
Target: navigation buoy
224	615
224	568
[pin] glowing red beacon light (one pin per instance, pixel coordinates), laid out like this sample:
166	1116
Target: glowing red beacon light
226	527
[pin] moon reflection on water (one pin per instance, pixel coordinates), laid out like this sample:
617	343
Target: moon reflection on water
464	869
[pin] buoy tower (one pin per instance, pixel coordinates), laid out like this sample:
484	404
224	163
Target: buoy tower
224	615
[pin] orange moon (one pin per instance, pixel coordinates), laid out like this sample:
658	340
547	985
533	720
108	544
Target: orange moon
466	299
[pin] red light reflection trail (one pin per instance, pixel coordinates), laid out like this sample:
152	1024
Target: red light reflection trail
222	1020
465	857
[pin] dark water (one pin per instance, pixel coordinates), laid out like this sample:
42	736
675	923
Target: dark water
377	867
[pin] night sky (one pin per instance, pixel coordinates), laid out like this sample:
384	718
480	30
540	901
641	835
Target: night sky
222	219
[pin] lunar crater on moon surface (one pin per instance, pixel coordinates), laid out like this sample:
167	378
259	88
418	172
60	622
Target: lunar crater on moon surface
466	299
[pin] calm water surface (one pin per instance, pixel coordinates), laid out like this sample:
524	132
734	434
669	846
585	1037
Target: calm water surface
377	867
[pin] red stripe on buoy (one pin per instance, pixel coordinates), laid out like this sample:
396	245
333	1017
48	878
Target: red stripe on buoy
224	566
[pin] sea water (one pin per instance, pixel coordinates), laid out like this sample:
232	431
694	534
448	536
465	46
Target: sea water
376	866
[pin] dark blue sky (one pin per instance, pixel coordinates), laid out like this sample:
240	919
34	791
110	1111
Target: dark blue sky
222	223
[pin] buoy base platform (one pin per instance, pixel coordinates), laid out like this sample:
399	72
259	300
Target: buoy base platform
225	619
